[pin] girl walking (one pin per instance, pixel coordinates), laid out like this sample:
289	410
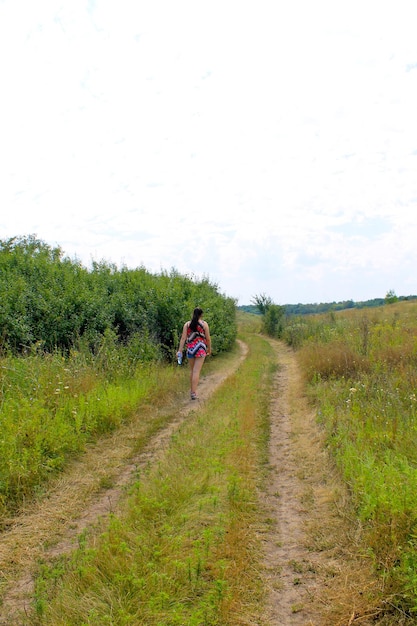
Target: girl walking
196	334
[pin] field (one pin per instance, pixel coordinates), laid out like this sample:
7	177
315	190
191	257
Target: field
361	372
172	547
121	503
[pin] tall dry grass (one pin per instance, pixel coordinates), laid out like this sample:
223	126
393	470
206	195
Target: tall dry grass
361	368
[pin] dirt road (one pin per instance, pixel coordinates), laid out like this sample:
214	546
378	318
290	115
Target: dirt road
89	489
316	570
310	556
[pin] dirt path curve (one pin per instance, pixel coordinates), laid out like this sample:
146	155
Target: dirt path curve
315	575
89	489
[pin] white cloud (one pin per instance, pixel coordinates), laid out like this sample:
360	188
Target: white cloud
262	144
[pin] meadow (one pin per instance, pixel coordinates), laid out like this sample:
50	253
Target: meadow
360	368
80	349
52	406
83	351
184	544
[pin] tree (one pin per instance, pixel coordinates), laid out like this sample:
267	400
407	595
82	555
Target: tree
262	303
391	297
272	314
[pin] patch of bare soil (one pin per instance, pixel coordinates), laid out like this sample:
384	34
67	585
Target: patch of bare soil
317	574
89	489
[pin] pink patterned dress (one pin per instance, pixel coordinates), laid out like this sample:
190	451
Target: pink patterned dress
196	342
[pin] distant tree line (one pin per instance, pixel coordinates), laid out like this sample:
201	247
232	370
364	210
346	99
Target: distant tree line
51	302
323	307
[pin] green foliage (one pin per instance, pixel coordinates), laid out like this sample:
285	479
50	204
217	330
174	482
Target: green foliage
262	302
273	315
362	374
249	308
56	303
391	297
273	320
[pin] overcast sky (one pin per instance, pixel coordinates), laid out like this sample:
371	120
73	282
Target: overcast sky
269	145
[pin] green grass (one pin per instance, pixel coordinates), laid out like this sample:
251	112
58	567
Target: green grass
51	406
183	549
362	371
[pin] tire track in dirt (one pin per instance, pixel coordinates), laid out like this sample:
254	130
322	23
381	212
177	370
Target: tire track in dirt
50	527
315	570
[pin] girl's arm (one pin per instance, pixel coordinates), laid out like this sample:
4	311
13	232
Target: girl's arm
183	337
208	338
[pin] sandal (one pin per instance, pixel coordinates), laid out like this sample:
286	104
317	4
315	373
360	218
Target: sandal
194	396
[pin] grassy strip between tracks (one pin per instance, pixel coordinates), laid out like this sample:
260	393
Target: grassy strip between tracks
183	548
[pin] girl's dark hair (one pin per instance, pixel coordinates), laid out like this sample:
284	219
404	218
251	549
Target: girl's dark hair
197	313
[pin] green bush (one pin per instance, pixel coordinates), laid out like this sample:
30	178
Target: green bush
54	302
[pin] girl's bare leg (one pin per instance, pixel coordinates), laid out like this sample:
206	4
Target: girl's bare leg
195	369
